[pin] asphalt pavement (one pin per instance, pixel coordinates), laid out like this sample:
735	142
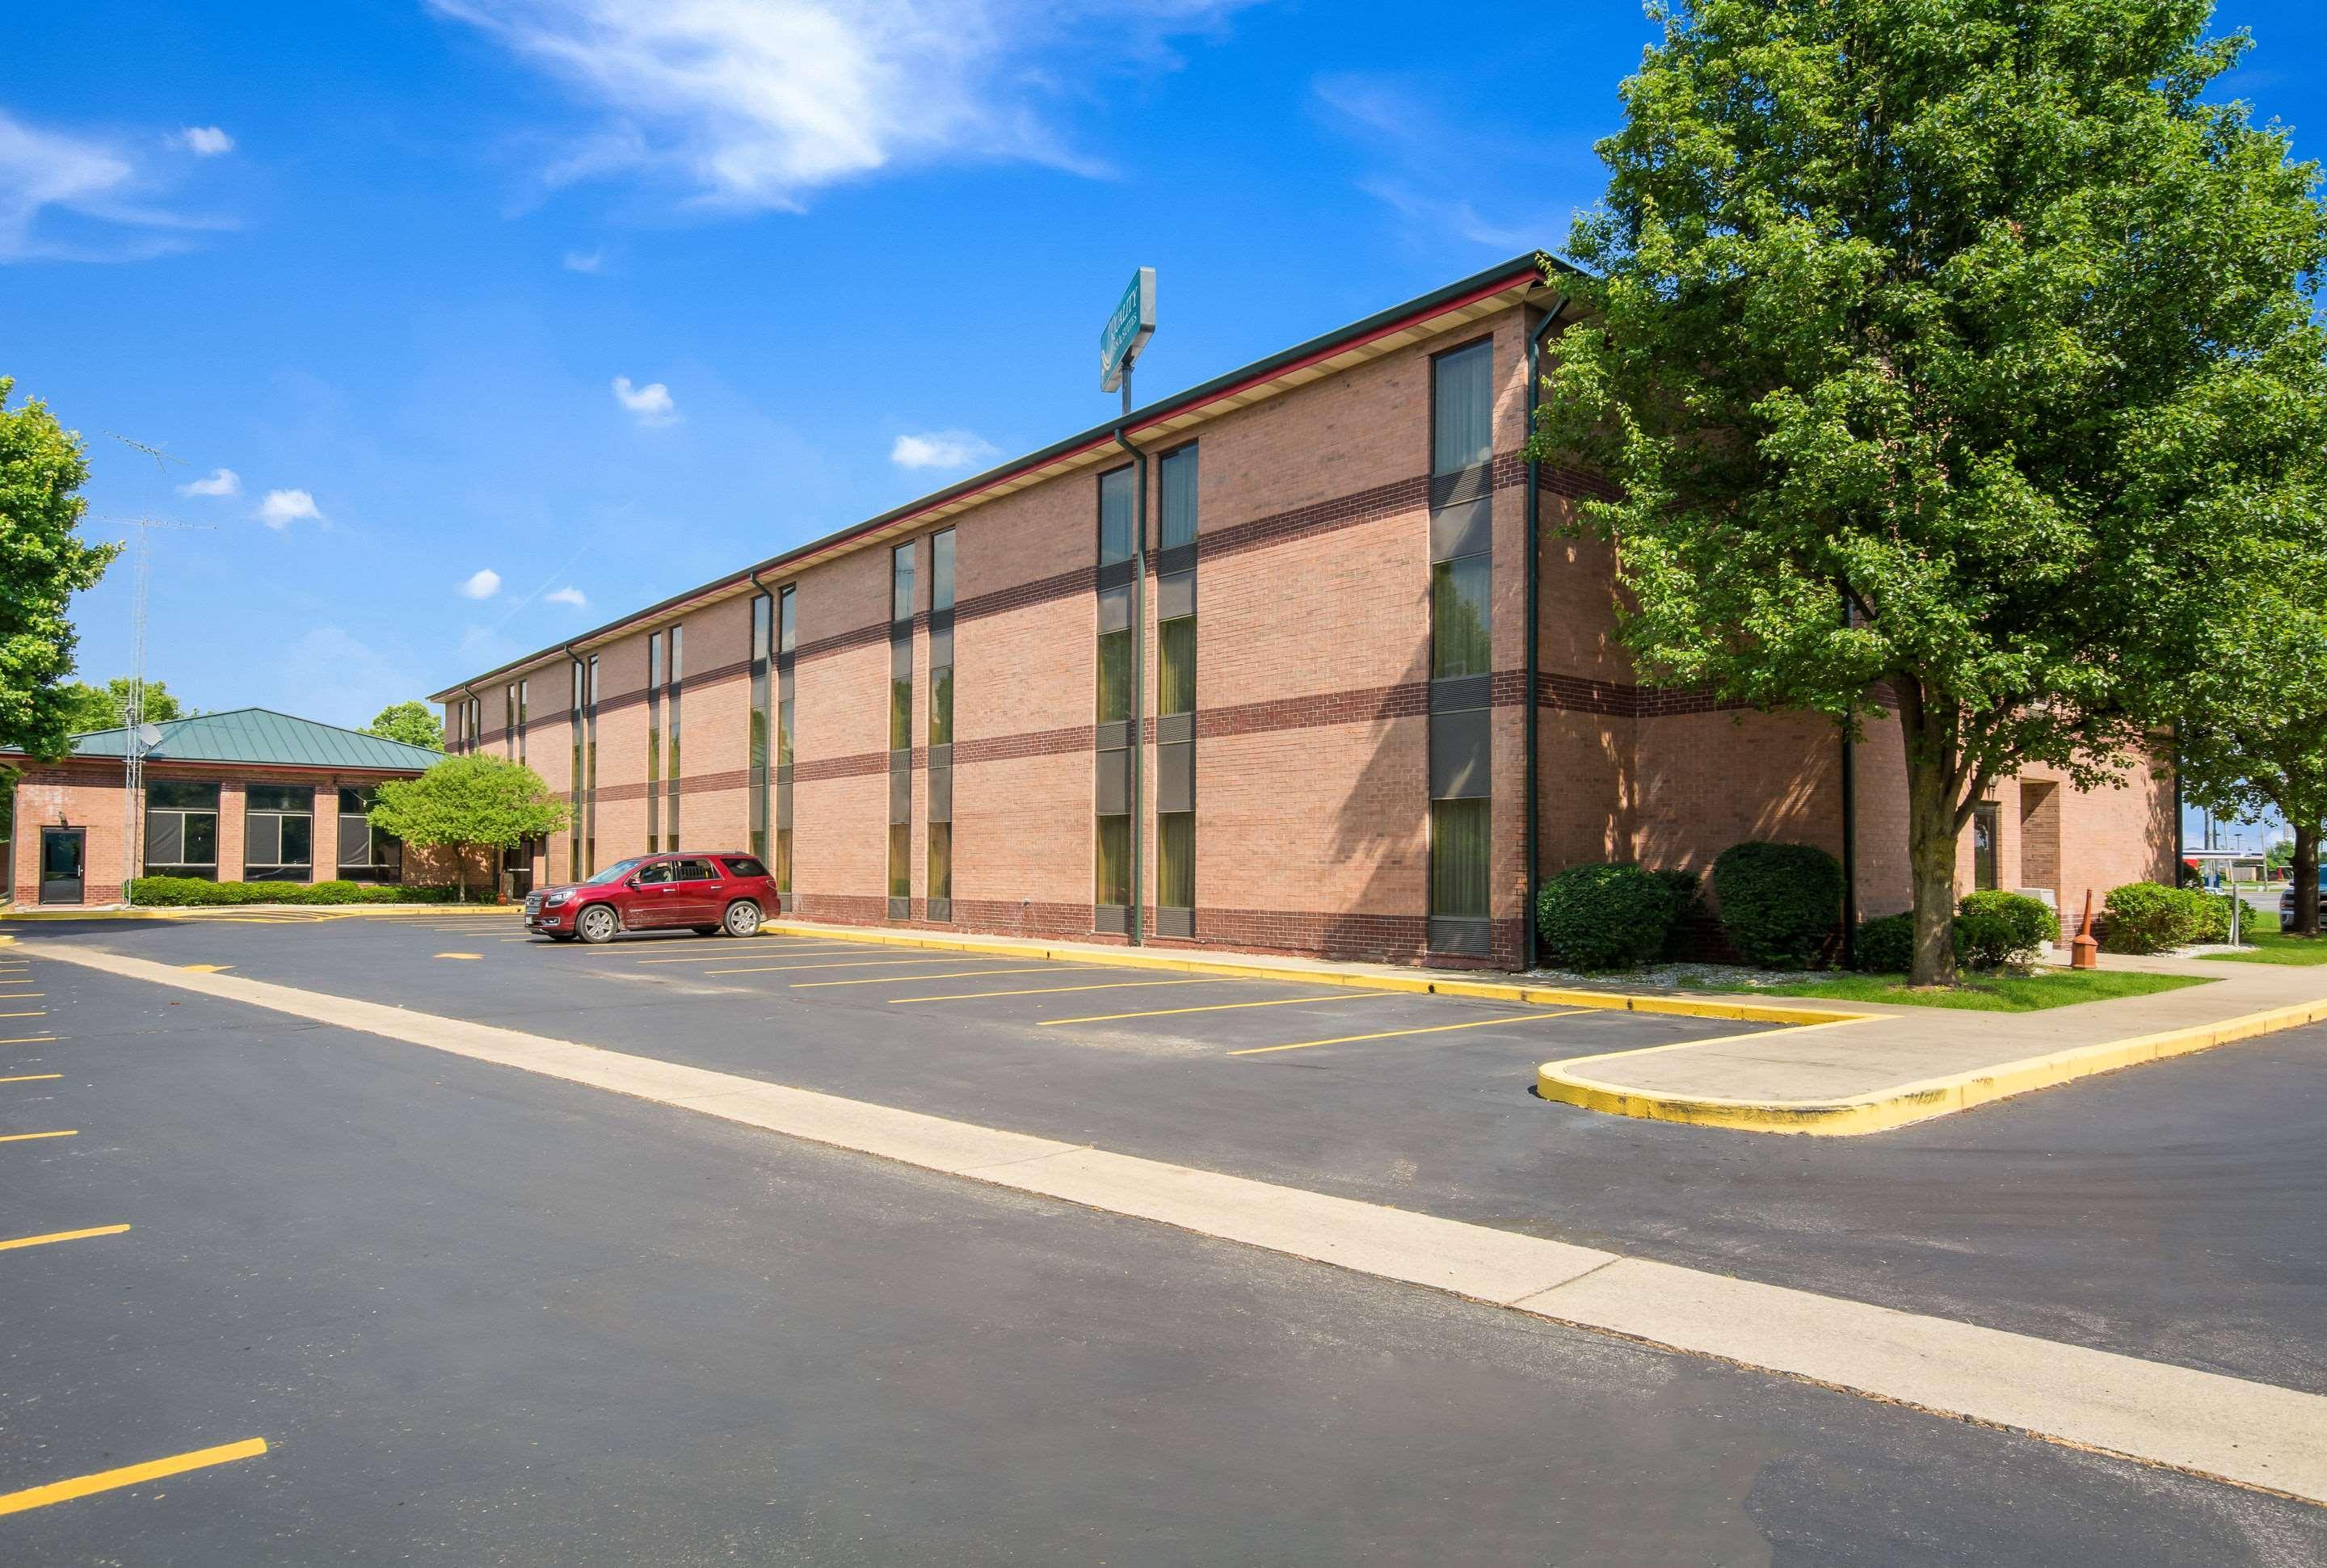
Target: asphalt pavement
477	1316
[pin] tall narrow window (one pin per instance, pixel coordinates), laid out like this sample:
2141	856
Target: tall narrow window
1113	753
787	648
677	674
755	749
574	869
476	723
900	732
590	772
508	720
1462	647
520	720
940	867
1175	696
654	744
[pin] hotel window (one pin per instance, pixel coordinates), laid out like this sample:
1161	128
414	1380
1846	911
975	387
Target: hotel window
940	870
1175	696
1113	753
1986	819
900	732
574	869
1462	576
278	832
520	721
508	720
755	743
367	855
182	829
676	674
590	770
654	744
476	723
786	649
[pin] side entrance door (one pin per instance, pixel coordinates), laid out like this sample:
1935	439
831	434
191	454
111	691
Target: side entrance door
61	864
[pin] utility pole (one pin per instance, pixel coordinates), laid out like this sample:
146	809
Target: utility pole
137	736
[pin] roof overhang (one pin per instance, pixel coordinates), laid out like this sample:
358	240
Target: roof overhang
1520	280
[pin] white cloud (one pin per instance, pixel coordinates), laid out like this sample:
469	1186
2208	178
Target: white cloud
481	583
585	260
943	449
1412	145
223	481
205	141
283	507
756	103
573	596
651	404
51	181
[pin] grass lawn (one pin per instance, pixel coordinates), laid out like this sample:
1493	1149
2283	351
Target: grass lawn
2279	947
1988	993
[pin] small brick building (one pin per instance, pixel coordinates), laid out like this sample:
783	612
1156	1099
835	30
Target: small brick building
245	796
1257	666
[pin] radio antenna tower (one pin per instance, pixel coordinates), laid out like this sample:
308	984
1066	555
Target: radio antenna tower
137	736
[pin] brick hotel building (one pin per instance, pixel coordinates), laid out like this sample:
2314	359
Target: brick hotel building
1261	665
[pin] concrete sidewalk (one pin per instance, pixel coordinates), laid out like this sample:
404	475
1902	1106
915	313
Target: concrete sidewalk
1892	1065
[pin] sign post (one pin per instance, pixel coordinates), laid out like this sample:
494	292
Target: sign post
1127	332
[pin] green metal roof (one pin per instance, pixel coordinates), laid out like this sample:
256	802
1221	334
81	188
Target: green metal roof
261	735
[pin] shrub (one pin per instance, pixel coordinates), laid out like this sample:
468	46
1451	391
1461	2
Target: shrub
2147	917
1997	930
1886	945
1609	917
1680	886
1779	903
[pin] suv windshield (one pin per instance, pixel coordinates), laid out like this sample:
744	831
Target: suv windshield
615	872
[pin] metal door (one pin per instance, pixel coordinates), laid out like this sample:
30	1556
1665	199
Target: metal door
61	864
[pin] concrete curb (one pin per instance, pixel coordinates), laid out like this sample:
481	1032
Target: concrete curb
1421	985
1920	1101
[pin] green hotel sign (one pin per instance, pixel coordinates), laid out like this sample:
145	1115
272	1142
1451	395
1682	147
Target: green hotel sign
1127	330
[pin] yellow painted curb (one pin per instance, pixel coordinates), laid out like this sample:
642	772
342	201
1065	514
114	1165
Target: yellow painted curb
1419	983
1920	1101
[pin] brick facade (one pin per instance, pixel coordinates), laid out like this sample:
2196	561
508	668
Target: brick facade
1313	693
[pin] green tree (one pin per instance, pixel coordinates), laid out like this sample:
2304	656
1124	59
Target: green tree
414	724
2281	855
1949	356
2254	738
106	708
464	804
43	562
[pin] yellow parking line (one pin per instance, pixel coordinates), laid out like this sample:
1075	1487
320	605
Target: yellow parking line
1394	1033
1207	1007
28	1012
28	1137
26	1078
460	955
948	974
31	1040
1055	990
770	953
852	964
60	1236
129	1475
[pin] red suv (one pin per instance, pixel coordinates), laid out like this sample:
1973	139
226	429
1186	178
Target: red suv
705	893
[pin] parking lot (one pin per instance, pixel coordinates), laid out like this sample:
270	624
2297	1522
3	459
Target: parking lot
2165	1212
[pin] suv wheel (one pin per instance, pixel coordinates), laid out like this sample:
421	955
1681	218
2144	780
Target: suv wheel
742	918
596	924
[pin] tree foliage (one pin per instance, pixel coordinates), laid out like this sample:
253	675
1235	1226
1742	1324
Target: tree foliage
1949	355
467	803
106	708
414	724
43	562
2254	738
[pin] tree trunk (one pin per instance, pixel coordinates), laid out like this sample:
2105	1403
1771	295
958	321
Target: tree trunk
1932	836
2306	881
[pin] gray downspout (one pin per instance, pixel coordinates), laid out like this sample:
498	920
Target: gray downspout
1138	685
1533	836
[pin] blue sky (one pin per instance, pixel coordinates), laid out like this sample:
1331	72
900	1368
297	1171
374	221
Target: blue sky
507	315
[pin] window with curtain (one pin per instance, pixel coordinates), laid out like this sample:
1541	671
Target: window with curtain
1459	634
1176	478
1112	861
942	570
1462	409
1175	860
1114	675
901	860
901	582
654	744
756	743
1458	858
678	674
940	859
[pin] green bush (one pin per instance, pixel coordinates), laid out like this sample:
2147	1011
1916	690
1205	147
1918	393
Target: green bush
1886	945
1681	887
1609	917
195	893
2147	917
1779	903
2000	930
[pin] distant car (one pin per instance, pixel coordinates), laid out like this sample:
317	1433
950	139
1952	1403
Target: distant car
723	891
2286	901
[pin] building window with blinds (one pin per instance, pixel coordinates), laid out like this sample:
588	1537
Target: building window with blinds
901	733
1175	696
181	828
1462	647
278	832
1112	755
